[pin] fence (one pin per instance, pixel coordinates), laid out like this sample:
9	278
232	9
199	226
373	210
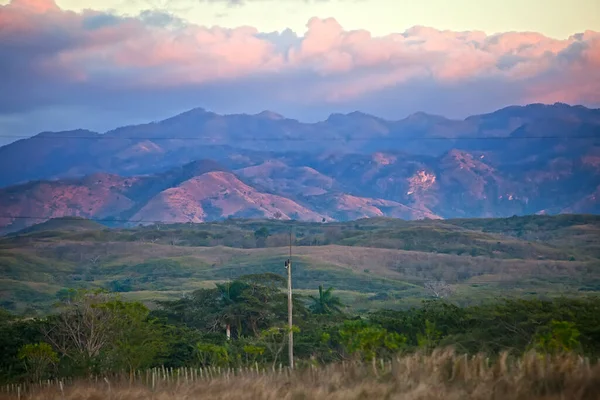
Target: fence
567	376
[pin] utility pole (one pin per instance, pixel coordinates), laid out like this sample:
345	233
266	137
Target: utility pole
288	266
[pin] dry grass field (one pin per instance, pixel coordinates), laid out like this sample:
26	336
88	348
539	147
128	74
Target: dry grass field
442	375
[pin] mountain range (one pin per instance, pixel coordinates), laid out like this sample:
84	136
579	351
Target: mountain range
201	166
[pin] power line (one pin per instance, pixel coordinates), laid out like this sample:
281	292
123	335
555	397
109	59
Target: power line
307	139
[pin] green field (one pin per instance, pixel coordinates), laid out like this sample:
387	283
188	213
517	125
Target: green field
373	263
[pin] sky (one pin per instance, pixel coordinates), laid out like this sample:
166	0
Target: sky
99	64
553	18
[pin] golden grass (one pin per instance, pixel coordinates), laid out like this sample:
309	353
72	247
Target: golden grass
442	375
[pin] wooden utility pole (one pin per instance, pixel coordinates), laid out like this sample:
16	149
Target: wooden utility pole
288	266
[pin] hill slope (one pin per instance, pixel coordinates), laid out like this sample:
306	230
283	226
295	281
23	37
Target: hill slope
371	262
195	193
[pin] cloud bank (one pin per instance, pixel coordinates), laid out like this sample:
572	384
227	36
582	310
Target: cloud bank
153	62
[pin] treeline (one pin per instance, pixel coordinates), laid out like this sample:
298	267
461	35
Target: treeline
243	322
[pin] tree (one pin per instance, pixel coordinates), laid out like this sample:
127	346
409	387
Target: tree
137	340
261	236
252	303
268	279
326	303
275	339
198	310
558	337
229	315
369	341
96	330
252	353
14	334
439	289
210	354
38	359
120	285
430	337
239	308
83	329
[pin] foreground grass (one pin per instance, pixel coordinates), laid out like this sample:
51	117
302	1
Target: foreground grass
442	375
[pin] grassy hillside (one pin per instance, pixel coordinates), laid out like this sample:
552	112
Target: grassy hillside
373	263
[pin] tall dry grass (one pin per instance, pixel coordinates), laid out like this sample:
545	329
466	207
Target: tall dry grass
442	375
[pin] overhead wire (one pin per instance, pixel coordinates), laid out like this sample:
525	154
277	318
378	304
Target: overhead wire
300	139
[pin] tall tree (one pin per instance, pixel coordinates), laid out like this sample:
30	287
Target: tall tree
137	340
83	329
97	330
237	308
326	303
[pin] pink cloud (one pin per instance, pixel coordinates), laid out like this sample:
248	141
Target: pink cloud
328	63
575	78
591	56
35	6
322	36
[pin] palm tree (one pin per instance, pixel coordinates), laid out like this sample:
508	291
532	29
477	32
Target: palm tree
326	303
230	297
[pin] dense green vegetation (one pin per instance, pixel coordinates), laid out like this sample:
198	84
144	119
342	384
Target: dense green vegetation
242	323
373	263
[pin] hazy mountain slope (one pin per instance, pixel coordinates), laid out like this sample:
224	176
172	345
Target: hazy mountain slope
49	154
228	139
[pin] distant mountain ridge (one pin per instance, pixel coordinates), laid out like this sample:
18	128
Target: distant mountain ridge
200	166
200	134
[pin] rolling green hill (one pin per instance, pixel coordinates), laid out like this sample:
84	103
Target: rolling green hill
373	262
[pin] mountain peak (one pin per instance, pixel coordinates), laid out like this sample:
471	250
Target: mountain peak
359	114
421	116
337	117
267	114
194	112
194	115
